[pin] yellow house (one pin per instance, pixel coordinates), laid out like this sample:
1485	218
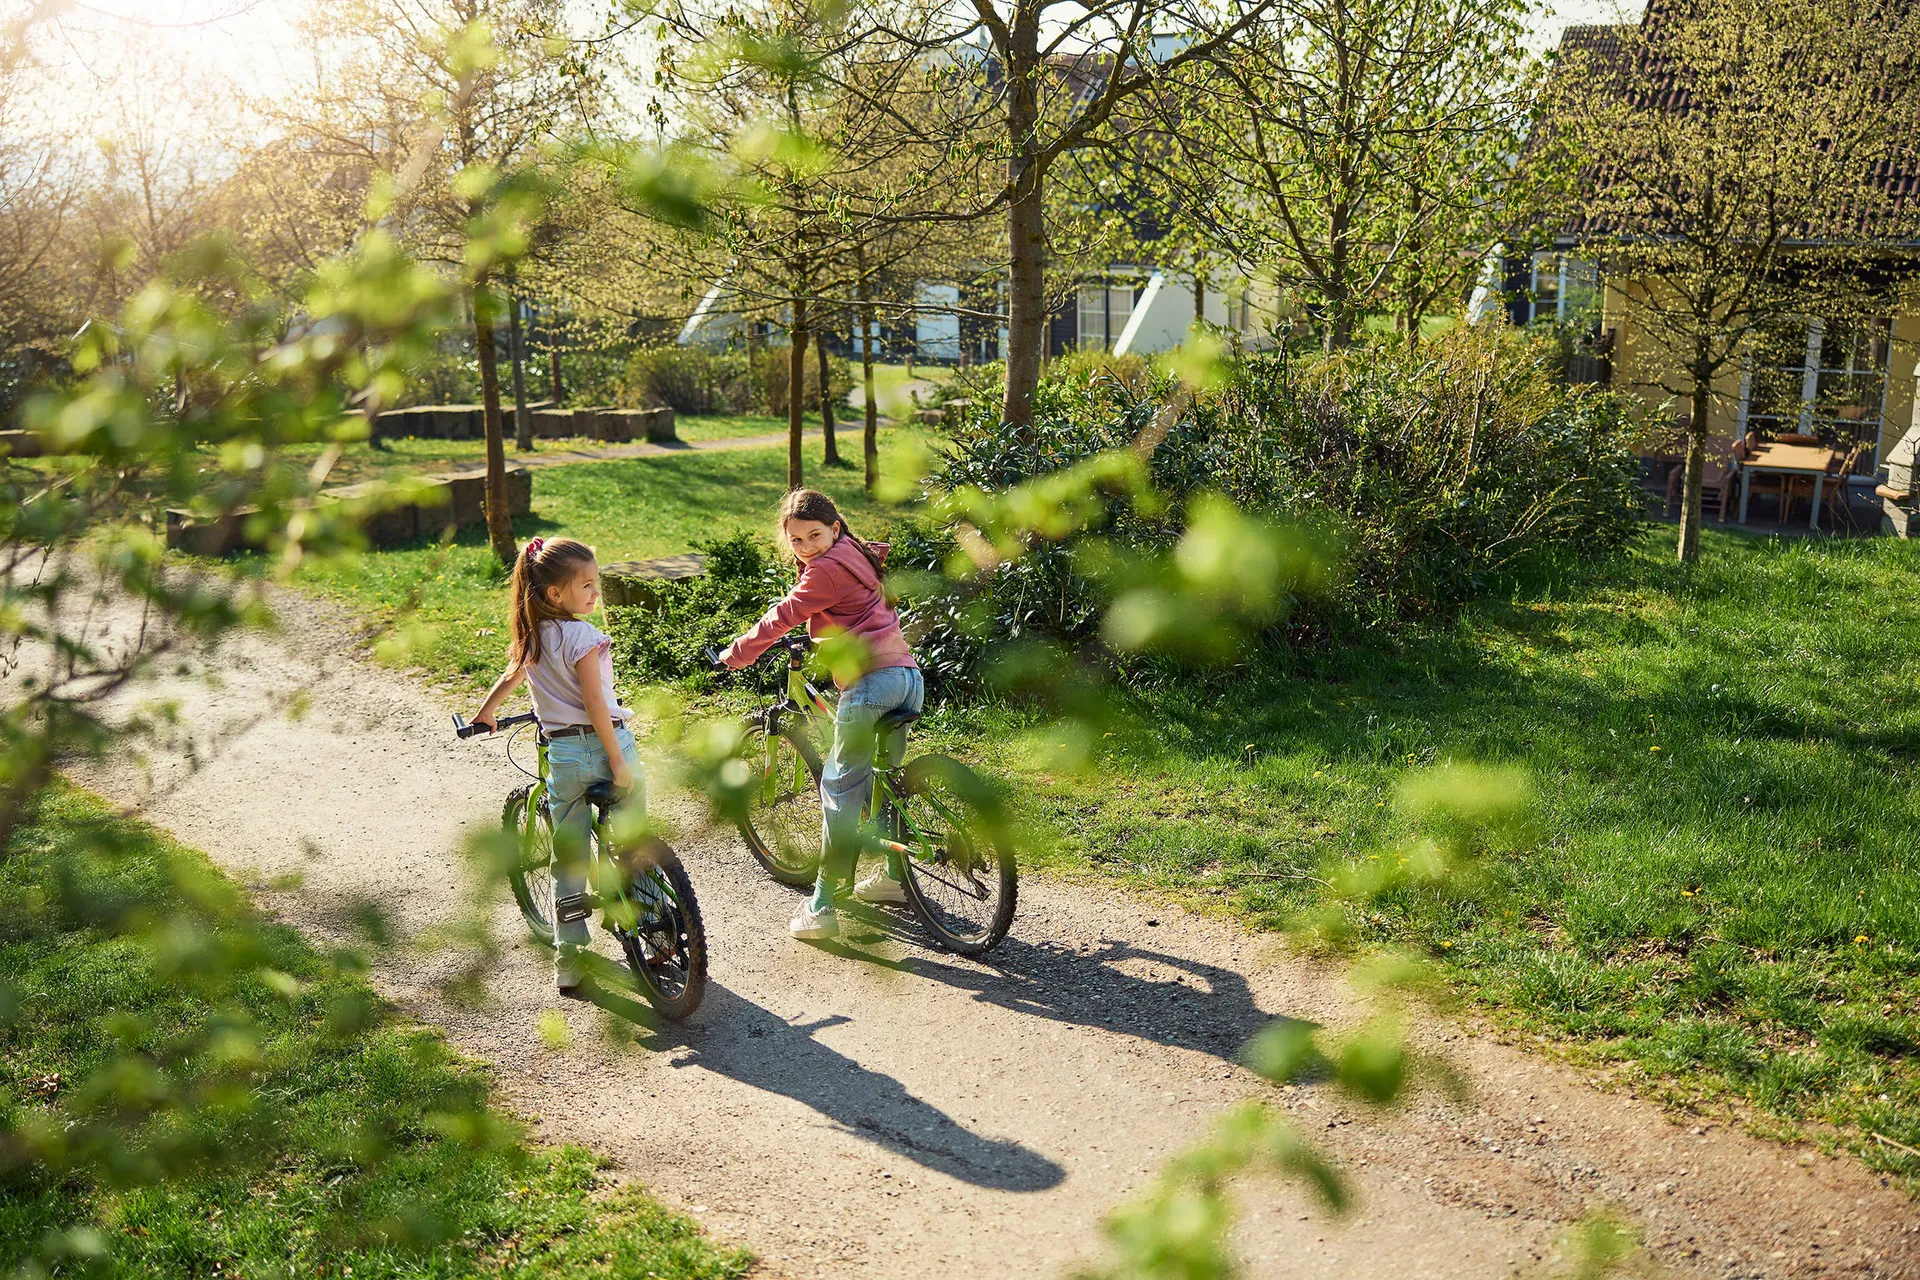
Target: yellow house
1850	383
1846	383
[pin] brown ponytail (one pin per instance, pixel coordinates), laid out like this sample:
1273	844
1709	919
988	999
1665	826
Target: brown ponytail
811	504
542	563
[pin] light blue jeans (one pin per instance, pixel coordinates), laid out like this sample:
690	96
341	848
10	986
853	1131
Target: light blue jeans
573	765
846	777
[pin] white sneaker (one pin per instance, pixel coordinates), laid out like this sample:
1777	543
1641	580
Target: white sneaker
880	887
809	925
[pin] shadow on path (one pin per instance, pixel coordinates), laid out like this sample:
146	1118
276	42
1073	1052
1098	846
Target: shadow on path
740	1040
1206	1008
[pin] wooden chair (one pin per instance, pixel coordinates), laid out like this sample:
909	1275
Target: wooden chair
1835	493
1833	487
1795	437
1719	472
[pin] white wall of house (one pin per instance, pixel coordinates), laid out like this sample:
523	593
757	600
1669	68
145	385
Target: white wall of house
1163	313
937	333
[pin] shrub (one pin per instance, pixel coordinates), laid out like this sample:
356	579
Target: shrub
770	367
742	578
1450	469
691	380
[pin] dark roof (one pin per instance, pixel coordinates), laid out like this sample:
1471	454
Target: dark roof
1893	216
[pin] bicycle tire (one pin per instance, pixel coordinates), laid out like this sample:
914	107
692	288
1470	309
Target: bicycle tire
964	888
666	944
531	874
782	821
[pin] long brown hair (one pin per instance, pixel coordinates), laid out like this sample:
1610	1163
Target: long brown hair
811	504
542	563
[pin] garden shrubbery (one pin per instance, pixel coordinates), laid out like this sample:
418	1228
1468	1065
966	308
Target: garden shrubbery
691	380
666	642
700	381
1445	469
1443	472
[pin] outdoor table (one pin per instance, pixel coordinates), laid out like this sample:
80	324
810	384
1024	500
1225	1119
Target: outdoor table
1787	460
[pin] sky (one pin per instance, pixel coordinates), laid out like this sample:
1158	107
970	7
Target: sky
248	45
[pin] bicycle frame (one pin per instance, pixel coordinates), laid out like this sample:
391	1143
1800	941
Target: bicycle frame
538	793
805	701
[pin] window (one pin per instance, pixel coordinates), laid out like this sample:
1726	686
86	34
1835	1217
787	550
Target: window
1565	290
1104	312
1820	378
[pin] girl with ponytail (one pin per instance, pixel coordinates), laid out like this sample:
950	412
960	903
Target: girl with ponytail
839	589
569	663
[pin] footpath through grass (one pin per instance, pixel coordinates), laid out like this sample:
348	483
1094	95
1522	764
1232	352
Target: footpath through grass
97	1011
1723	897
450	602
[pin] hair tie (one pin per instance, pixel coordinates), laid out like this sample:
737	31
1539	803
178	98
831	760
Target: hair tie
534	545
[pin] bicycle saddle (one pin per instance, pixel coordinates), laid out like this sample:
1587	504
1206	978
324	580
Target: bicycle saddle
898	718
602	794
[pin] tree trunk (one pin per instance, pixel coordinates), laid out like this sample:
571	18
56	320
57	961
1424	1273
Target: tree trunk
1690	514
371	406
517	352
870	437
796	391
1199	298
555	391
499	523
831	455
1026	225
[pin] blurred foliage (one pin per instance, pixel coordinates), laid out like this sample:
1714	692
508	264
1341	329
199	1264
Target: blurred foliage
188	1089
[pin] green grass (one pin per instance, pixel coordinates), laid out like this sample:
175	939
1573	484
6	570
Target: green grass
453	601
1723	894
407	455
369	1155
891	385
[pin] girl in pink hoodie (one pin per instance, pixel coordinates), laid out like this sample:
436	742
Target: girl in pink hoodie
839	589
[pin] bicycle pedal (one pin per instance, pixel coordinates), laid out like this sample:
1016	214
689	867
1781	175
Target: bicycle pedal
575	906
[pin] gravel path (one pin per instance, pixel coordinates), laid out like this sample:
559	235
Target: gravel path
883	1110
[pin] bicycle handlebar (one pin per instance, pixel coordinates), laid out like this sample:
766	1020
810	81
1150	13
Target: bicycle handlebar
464	730
786	644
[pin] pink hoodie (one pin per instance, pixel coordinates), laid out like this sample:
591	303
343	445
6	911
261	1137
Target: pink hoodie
838	588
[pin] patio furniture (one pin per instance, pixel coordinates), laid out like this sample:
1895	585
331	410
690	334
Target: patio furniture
1782	461
1837	504
1718	471
1795	437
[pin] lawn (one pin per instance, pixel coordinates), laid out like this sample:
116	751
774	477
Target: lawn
1721	903
1722	898
453	601
408	455
368	1160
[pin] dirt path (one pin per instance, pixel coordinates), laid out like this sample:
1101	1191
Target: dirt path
910	1115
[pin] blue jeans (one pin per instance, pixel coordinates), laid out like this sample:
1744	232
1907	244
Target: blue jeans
846	777
574	764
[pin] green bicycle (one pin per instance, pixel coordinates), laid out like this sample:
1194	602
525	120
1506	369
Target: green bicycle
644	896
938	817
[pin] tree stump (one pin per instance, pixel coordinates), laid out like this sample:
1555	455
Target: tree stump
640	584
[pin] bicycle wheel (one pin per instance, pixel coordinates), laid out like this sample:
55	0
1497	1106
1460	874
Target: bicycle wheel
659	928
960	875
782	822
531	874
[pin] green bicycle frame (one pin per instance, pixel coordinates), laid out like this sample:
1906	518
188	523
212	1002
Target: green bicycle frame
806	701
619	906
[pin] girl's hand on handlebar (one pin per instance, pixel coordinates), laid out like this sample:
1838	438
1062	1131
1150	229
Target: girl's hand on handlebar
488	718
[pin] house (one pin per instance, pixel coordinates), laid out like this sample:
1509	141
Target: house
1847	382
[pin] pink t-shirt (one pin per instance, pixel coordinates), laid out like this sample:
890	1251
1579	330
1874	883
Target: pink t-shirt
557	700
